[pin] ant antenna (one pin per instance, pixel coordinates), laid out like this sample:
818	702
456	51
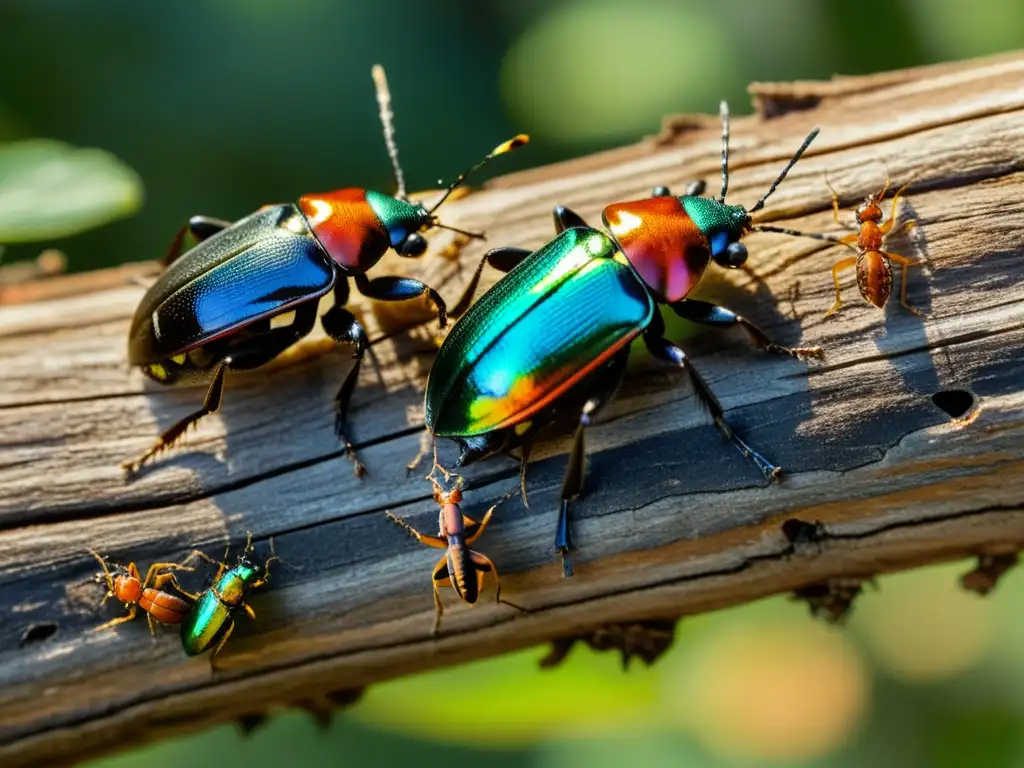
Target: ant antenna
380	82
514	143
272	559
803	148
105	576
723	110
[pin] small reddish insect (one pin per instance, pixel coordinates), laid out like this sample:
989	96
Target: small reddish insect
873	264
124	583
462	567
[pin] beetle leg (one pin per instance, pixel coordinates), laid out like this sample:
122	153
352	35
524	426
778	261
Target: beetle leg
502	259
566	218
694	188
342	326
430	541
170	436
169	578
706	313
200	227
439	578
600	389
400	289
665	350
157	580
476	447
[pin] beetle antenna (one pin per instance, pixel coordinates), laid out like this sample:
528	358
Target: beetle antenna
474	235
514	143
723	110
803	148
380	82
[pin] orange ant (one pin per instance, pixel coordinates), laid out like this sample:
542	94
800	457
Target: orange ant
874	267
124	583
461	567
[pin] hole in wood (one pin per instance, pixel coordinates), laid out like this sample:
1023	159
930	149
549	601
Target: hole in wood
38	632
955	402
798	531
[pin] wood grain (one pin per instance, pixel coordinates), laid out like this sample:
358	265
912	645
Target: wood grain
673	521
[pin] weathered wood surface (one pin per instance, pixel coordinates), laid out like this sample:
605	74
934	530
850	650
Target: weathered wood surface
673	522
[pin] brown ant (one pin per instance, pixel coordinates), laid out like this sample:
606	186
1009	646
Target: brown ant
461	567
124	583
874	267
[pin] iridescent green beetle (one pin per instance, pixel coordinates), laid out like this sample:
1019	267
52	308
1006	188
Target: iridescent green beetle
552	337
212	619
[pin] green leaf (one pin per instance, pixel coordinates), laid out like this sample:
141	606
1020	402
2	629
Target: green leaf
49	189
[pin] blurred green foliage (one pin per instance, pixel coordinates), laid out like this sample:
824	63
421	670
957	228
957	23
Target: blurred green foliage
49	190
223	105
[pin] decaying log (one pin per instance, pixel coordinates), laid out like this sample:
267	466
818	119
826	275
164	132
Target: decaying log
673	521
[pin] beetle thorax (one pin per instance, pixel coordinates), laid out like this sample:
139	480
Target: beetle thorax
357	226
670	241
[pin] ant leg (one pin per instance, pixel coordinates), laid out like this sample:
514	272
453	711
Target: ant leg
663	349
474	529
838	267
342	326
119	620
170	436
835	204
485	565
886	226
706	313
152	624
422	538
904	262
439	578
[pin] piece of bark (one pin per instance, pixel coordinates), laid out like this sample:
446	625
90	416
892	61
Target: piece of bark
673	520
